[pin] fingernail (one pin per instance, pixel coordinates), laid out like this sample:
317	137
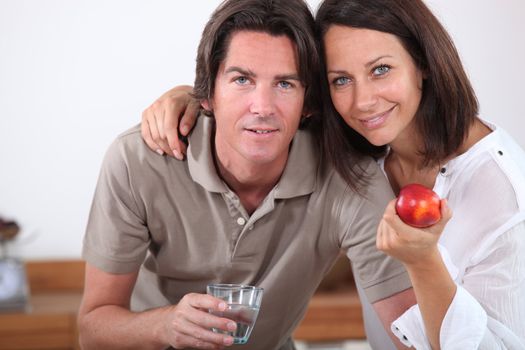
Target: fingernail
159	151
222	306
227	341
184	129
177	154
231	326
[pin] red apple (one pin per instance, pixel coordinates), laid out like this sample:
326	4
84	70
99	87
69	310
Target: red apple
418	206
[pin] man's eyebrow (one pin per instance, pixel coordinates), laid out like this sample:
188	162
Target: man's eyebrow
249	73
235	69
291	76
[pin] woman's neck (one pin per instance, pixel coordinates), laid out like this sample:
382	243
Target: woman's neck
405	163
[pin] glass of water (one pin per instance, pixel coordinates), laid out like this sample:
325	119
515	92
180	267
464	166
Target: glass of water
243	307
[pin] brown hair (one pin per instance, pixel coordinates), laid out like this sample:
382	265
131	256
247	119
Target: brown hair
448	105
292	18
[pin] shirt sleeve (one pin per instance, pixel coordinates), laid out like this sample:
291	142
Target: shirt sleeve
488	309
380	275
116	238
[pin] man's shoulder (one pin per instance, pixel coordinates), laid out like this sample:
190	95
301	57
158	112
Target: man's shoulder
129	150
130	139
373	188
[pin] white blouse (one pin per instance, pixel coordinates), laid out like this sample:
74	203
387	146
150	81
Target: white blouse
483	247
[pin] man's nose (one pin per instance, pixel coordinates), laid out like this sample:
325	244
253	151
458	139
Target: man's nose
263	101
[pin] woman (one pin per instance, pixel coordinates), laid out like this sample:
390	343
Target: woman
395	89
399	93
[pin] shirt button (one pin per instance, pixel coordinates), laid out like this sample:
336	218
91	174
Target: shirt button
241	221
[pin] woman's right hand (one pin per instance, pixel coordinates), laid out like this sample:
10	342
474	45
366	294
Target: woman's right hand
411	245
175	109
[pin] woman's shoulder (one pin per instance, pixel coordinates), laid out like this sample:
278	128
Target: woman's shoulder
493	168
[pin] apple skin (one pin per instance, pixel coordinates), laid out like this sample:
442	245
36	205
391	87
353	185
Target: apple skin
418	206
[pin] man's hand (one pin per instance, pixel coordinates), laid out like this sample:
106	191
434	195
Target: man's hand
175	109
189	323
106	322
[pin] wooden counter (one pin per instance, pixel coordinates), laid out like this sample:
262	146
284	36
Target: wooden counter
50	323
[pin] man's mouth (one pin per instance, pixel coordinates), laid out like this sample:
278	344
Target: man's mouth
262	131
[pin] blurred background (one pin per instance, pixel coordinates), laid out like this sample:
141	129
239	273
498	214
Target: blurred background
74	74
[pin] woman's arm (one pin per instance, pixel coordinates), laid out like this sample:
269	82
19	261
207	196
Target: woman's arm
487	311
418	250
160	121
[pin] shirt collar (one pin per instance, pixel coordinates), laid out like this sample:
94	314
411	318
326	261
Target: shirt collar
200	156
298	178
456	163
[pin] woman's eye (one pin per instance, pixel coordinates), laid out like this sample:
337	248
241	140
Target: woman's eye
381	70
242	80
341	81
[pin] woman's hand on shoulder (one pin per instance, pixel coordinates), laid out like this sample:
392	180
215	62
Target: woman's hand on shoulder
171	116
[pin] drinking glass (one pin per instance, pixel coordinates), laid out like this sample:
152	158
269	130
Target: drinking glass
243	307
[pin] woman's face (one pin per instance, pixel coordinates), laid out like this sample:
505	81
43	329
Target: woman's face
374	83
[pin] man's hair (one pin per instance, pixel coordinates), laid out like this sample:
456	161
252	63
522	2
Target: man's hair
291	18
448	104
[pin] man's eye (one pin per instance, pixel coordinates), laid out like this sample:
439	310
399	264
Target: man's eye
381	70
285	84
242	80
341	81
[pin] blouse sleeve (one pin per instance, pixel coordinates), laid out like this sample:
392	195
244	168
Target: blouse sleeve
488	309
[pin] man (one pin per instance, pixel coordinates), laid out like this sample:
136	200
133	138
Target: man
254	203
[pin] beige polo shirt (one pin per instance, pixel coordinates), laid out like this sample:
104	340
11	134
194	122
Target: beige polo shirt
184	228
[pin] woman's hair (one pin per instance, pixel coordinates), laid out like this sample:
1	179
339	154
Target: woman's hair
292	18
448	105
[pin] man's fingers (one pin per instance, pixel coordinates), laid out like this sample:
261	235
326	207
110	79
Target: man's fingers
192	335
204	303
209	320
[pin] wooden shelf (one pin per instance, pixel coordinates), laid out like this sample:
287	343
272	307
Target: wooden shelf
49	324
50	321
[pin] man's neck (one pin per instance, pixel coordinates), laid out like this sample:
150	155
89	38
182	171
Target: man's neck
250	181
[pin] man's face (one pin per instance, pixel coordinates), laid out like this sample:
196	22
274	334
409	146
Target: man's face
258	99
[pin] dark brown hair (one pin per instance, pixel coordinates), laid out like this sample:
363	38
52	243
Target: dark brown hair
292	18
448	105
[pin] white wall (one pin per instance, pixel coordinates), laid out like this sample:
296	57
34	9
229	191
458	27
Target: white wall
74	74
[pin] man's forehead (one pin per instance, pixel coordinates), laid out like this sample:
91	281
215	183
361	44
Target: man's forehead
256	51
